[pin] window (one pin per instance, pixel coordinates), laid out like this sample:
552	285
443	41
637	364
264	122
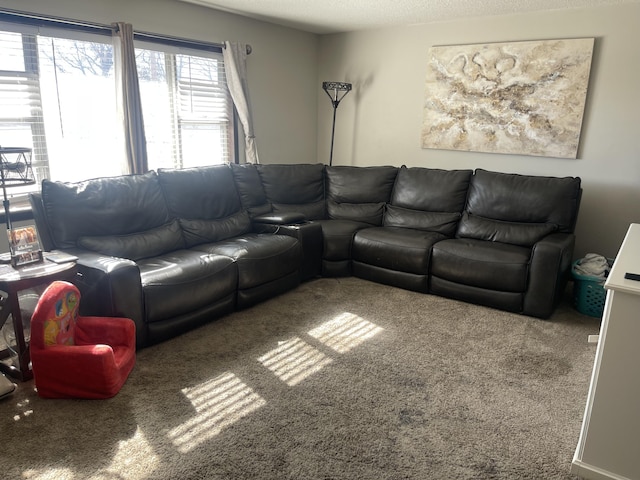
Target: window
81	129
186	106
61	99
58	92
21	123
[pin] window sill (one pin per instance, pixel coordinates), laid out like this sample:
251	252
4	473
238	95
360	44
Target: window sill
17	215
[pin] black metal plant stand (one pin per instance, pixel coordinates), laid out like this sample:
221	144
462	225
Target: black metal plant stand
15	171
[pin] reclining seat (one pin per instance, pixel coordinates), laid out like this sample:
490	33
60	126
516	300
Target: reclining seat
296	196
132	257
207	204
514	243
356	197
425	207
282	199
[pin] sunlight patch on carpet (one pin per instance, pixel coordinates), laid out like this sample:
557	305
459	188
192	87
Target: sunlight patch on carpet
49	474
344	332
25	410
134	456
219	402
294	360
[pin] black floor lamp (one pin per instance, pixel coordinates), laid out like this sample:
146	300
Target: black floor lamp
336	92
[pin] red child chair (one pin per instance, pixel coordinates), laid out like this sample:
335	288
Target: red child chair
74	356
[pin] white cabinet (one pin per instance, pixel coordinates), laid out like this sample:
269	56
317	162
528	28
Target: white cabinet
609	444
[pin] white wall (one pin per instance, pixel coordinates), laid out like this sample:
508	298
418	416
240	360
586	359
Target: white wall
379	122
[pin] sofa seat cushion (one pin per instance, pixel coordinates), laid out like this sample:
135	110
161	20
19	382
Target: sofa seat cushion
490	265
338	238
394	248
183	281
261	258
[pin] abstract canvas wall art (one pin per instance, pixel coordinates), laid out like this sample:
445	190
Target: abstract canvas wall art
524	98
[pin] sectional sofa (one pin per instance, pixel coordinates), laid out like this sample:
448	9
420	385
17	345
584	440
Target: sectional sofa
174	249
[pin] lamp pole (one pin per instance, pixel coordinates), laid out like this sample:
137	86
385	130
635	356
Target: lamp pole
339	90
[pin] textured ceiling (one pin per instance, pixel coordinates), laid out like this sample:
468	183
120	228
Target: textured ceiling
333	16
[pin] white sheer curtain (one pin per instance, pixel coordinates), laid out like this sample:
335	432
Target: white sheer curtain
235	64
129	97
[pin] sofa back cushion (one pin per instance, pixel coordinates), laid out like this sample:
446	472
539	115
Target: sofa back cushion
428	199
519	209
431	189
136	246
206	202
201	192
197	231
249	186
522	198
295	188
103	207
515	233
440	222
359	193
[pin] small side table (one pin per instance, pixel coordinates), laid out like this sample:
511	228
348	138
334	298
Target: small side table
12	281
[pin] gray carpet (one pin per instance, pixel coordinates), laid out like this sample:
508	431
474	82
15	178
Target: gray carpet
338	379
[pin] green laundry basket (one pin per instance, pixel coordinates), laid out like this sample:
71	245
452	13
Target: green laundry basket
588	292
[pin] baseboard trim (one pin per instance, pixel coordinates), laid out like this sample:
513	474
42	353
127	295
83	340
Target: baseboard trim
586	471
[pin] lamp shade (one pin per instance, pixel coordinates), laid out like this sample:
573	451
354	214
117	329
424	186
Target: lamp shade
338	89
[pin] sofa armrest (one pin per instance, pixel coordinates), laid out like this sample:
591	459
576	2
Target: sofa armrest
40	217
309	234
284	218
549	271
110	287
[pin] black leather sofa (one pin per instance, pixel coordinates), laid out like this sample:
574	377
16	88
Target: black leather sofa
178	248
